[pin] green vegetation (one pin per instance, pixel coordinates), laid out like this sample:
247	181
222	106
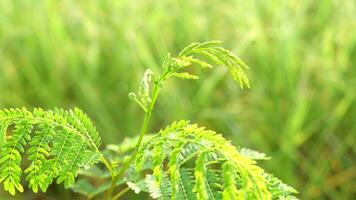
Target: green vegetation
62	142
300	110
65	141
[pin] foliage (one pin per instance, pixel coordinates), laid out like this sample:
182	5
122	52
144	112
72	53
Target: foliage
190	155
174	177
184	160
302	106
58	143
172	67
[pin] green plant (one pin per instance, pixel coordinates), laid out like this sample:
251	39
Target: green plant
182	161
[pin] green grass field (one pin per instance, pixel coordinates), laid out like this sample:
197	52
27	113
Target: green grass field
300	110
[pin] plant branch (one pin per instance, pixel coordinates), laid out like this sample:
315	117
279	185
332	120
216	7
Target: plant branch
122	192
126	165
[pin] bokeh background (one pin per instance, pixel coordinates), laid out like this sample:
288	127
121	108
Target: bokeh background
300	110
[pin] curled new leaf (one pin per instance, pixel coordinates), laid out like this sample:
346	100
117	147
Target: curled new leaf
191	55
143	98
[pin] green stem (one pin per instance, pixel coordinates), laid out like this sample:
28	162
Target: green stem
106	164
126	165
121	193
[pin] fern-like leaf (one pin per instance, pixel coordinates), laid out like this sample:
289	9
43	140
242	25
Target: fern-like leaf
214	52
59	143
203	165
11	156
158	190
186	184
230	189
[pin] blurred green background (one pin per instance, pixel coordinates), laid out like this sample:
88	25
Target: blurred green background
301	108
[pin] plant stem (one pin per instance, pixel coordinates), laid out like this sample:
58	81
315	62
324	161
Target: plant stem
106	164
126	165
118	195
